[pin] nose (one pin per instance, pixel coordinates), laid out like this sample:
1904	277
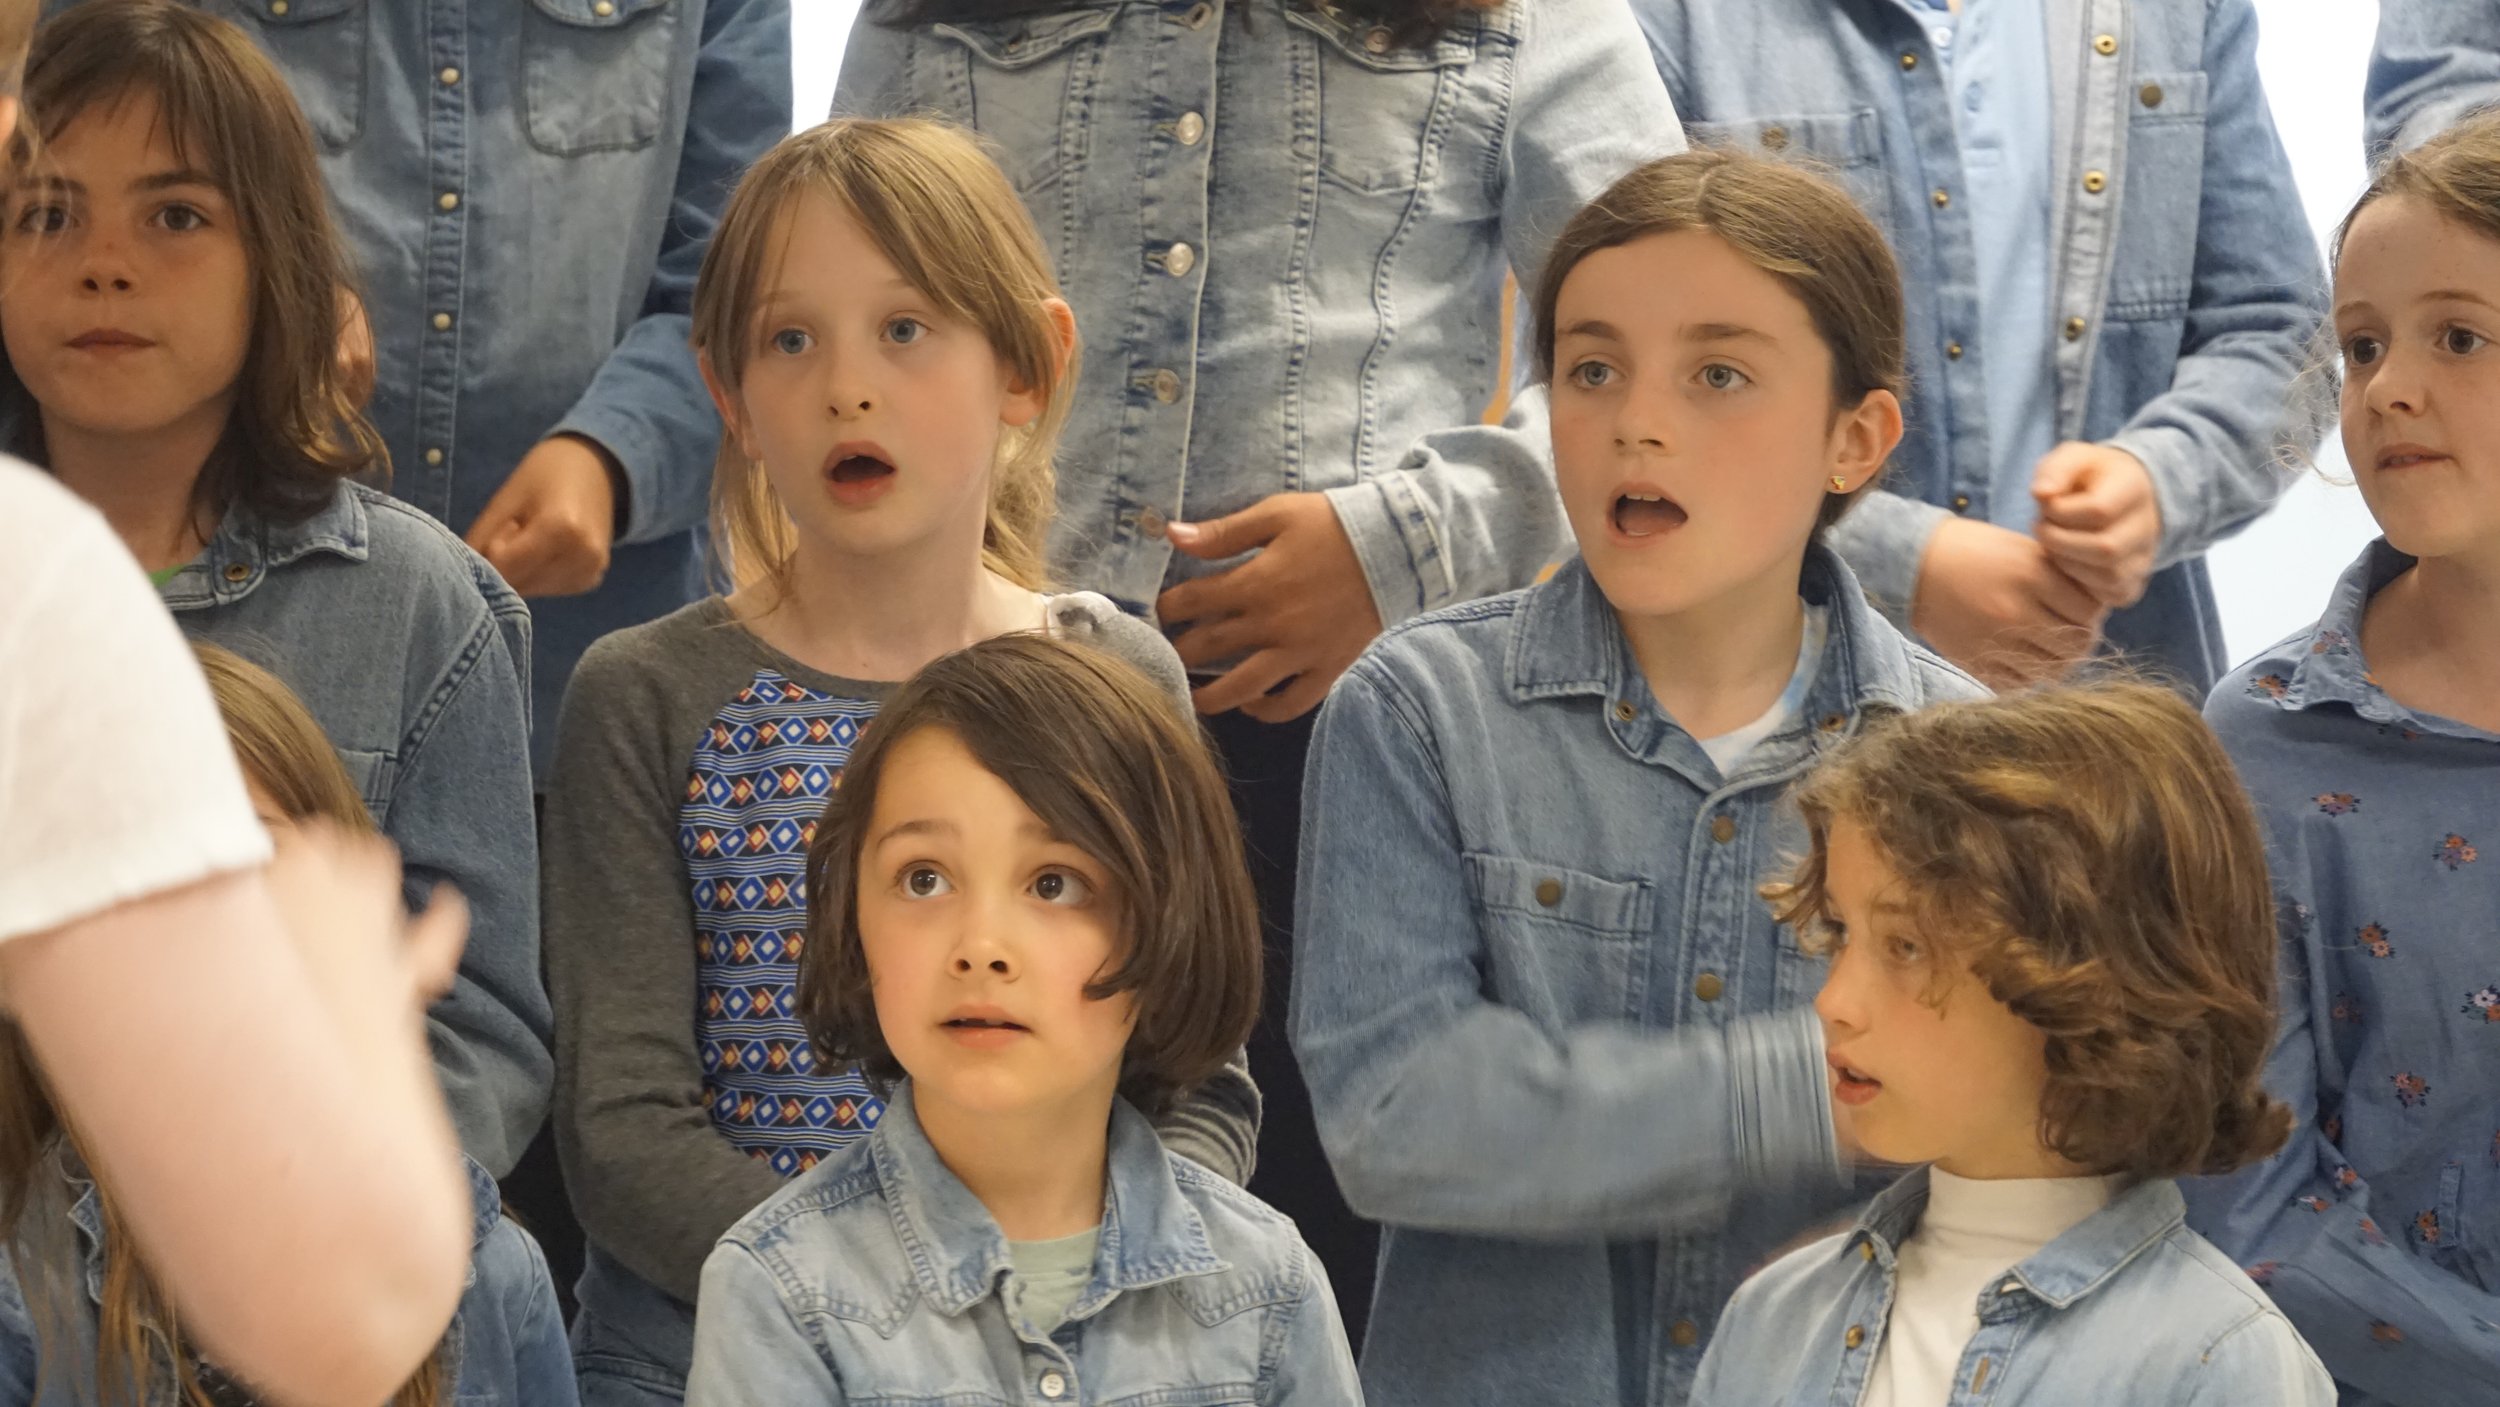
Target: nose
1839	1004
2395	386
1640	425
847	389
981	946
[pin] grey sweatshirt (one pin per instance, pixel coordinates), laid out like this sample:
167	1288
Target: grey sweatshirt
654	1181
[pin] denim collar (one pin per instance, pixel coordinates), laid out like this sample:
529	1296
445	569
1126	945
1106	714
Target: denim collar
1566	640
247	547
1150	1233
2059	1273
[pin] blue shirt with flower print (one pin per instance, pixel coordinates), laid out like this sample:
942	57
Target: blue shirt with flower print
2378	1229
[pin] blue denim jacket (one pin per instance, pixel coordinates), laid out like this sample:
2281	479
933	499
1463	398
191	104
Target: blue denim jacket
877	1277
2436	61
1553	1038
414	658
2378	1229
506	1342
529	186
2127	1309
1284	237
2186	288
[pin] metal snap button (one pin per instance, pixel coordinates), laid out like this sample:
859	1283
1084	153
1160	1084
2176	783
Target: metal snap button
1624	712
1708	986
1775	138
238	572
1167	386
1549	892
1723	828
1378	40
1054	1385
2150	95
1179	260
2095	182
1190	128
2105	45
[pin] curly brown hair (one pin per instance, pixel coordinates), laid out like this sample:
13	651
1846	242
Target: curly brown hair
2089	851
1107	761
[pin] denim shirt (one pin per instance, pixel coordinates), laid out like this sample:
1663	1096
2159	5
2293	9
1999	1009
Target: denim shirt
506	1341
2185	288
879	1277
2378	1229
1554	1040
529	186
414	658
2436	61
2127	1309
1284	236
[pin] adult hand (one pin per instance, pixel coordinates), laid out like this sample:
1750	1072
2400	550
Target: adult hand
1993	602
355	349
1300	610
2099	519
550	527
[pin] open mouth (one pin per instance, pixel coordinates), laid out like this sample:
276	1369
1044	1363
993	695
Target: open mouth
859	469
1851	1085
1643	513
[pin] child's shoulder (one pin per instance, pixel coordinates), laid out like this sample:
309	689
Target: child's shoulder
2252	698
424	557
841	1200
2207	1303
1456	644
1261	1244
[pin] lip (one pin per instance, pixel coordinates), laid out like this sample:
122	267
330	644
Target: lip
2406	456
861	490
1632	541
108	339
998	1028
1850	1085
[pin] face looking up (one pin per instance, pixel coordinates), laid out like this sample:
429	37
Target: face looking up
1694	432
981	931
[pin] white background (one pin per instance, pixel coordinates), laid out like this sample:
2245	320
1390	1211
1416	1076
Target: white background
2274	577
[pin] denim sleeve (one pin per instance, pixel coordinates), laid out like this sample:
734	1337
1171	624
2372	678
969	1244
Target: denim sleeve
2218	441
647	405
2436	60
542	1357
1414	1073
1470	510
747	1348
2262	1359
462	814
1313	1365
1883	539
2385	1321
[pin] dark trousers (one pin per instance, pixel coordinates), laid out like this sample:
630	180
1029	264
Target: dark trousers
1264	762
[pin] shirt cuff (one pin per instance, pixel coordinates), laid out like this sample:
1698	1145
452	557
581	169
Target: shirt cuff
1394	541
1782	1100
2169	458
1884	539
635	450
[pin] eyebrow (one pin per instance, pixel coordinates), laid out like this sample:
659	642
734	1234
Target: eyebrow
2436	295
1592	327
1725	332
157	181
1031	827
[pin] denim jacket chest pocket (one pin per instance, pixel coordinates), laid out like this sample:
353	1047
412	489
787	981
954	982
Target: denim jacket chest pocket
595	74
1561	945
320	45
1022	83
2155	268
1847	147
1384	112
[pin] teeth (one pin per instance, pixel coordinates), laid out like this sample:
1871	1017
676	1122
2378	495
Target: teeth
1646	497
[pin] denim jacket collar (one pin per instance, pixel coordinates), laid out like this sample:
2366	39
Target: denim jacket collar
2059	1273
247	547
1150	1234
1567	641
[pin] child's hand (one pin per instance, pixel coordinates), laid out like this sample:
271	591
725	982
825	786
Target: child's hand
1300	610
1993	602
355	349
550	527
2099	519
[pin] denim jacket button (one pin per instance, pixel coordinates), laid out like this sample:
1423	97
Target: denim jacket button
1961	503
1179	259
2105	45
2151	95
2074	329
1625	713
2095	182
1378	41
1708	986
1866	1250
1198	16
1855	1336
1775	138
1190	128
1053	1385
1167	386
1953	351
1909	62
1723	829
1549	892
1685	1333
1150	522
238	572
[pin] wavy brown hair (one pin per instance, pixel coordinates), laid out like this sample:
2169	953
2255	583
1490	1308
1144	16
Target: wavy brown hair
1103	757
140	1351
2089	851
295	430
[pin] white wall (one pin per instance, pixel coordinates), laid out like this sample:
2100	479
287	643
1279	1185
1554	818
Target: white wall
2273	577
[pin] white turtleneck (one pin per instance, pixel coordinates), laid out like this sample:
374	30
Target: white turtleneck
1969	1236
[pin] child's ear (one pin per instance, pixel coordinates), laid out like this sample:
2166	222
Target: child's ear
1863	438
732	409
1025	404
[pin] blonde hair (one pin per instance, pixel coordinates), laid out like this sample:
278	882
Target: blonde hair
139	1344
939	209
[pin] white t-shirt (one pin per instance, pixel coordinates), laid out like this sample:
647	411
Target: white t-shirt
116	779
1729	748
1969	1236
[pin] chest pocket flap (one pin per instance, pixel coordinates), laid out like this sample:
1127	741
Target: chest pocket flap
1025	41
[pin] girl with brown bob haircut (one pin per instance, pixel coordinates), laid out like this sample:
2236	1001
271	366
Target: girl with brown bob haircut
1031	926
2052	942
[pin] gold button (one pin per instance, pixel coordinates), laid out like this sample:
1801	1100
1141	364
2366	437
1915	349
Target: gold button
448	200
1198	16
1961	503
1775	138
1723	828
603	9
1377	41
1833	722
1942	198
434	456
1190	128
1908	62
1866	1250
449	76
2094	182
1179	260
2074	329
1549	892
1151	522
1953	351
277	7
1167	386
1685	1333
1854	1337
2150	95
442	322
2105	45
1624	712
1708	986
238	572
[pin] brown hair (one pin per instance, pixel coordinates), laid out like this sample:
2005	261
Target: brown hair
2456	173
1796	226
139	1345
2090	852
939	209
295	431
1108	763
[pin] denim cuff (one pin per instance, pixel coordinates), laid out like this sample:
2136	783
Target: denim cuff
1780	1100
2180	474
637	452
1392	538
1883	539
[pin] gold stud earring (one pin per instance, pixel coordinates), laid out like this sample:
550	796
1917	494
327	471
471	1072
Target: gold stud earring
1840	483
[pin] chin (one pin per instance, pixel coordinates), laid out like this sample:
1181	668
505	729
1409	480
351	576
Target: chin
1650	586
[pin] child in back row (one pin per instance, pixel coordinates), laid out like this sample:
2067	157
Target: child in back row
82	1320
1555	1041
892	361
2052	953
1031	926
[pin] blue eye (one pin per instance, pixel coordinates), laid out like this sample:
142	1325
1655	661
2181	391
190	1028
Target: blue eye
1591	376
905	331
790	342
1719	376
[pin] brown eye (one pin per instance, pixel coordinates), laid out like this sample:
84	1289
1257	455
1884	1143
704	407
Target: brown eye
1061	887
923	882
